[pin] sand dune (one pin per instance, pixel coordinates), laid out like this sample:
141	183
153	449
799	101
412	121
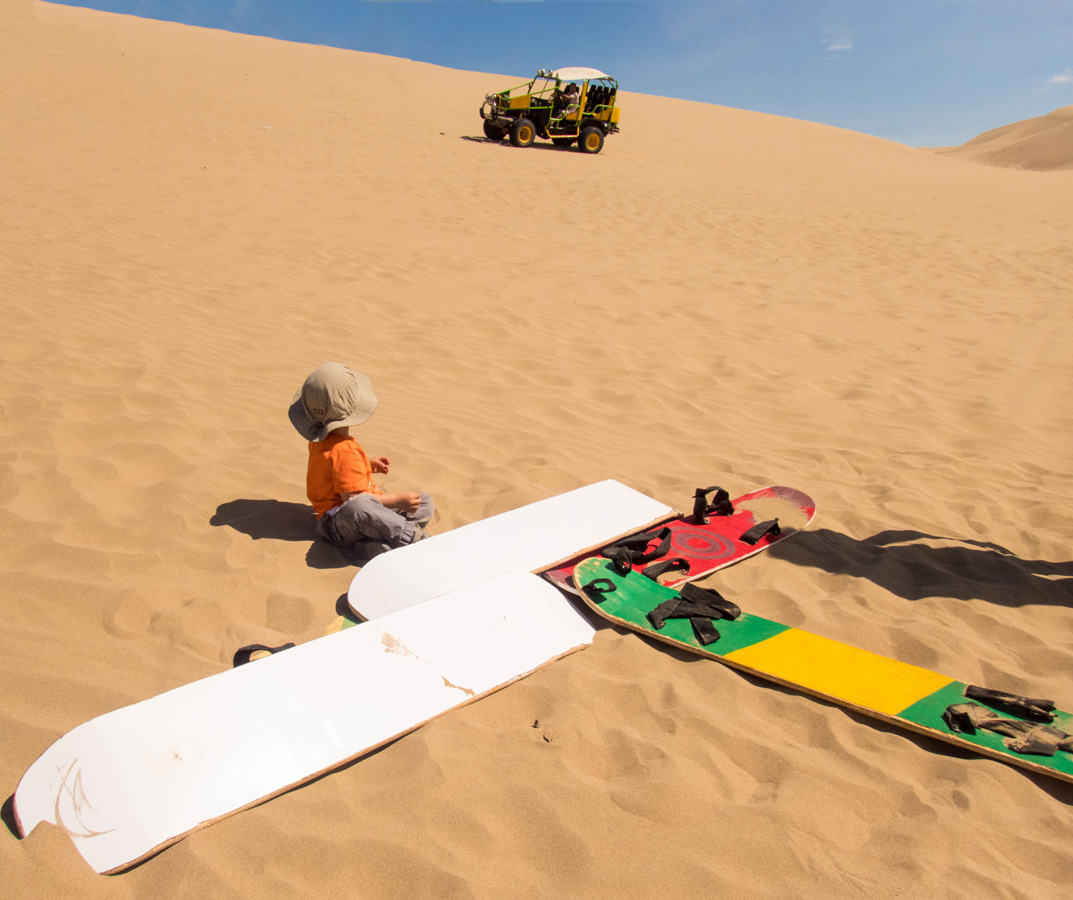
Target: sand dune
193	220
1043	143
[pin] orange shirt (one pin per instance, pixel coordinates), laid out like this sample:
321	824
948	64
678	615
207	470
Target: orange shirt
337	465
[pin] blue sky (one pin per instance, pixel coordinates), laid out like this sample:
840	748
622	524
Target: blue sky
921	72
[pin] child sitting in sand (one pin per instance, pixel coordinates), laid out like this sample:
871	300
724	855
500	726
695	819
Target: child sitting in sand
351	510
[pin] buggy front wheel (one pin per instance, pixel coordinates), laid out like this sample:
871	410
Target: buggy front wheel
522	133
493	132
591	139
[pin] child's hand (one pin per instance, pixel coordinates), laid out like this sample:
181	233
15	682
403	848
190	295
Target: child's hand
380	464
404	503
409	502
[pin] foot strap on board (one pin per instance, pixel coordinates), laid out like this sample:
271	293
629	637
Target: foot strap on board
677	564
700	606
720	504
633	550
244	654
705	631
1021	736
598	587
1025	707
761	529
712	598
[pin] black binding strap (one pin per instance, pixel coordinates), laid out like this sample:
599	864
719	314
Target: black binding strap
598	587
1021	736
693	602
966	718
243	654
632	551
720	504
677	564
664	538
658	616
761	529
1026	707
640	541
621	559
711	598
705	631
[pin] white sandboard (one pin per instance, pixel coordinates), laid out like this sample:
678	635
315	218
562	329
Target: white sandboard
529	539
130	782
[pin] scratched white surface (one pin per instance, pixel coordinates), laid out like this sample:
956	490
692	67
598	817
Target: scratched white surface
527	539
130	781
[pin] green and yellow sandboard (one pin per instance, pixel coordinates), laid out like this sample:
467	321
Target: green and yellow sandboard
877	686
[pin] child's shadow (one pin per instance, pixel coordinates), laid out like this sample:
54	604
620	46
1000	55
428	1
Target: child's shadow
901	563
281	521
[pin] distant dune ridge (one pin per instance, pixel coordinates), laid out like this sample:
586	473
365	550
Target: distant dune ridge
1043	143
191	221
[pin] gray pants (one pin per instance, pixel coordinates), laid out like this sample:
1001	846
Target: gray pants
364	518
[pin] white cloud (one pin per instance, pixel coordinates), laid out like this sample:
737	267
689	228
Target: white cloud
840	46
1065	77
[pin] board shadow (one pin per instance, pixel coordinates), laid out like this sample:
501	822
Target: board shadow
903	564
342	609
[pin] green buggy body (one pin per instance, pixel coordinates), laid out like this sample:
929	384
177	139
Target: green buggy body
545	107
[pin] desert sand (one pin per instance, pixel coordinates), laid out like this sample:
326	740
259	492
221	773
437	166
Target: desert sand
1042	143
194	220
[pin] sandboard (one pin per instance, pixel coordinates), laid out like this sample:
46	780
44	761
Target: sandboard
717	543
877	686
528	539
130	782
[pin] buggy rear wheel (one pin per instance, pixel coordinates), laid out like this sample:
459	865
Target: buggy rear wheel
591	139
522	133
493	132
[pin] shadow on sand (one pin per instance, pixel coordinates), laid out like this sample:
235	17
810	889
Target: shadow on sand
7	815
900	562
280	521
536	145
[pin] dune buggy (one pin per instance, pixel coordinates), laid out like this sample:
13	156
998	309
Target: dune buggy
562	105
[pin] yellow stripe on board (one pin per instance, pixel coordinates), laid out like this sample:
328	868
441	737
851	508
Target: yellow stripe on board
840	671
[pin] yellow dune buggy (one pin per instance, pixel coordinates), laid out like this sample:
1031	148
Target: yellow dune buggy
562	105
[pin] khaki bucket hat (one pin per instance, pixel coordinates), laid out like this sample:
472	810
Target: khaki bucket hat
331	397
